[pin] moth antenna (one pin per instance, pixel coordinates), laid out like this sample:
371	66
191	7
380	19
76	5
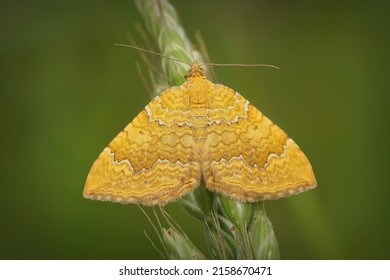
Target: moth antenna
239	65
152	52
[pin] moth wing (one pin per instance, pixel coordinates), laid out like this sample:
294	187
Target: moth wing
151	161
249	158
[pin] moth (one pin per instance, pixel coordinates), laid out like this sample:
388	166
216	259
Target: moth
199	133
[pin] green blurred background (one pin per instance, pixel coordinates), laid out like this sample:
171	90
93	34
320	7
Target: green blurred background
66	91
